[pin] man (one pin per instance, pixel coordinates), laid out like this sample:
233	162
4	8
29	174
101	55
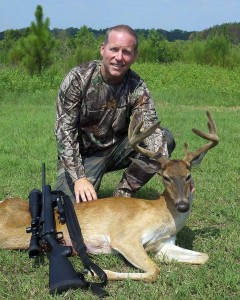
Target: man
94	106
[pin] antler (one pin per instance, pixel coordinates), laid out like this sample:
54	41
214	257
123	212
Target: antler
136	135
211	136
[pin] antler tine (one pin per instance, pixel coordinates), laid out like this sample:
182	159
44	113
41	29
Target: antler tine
135	136
211	137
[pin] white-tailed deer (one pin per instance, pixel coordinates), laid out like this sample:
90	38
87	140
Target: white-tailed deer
130	226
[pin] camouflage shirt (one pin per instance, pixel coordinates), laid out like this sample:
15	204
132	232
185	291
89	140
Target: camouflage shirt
93	115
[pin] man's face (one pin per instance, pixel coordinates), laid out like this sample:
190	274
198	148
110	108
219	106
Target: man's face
118	55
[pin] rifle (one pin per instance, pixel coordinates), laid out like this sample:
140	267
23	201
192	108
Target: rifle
62	275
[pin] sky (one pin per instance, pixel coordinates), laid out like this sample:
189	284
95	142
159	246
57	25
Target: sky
187	15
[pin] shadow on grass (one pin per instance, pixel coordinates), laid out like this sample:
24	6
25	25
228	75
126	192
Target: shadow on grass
186	236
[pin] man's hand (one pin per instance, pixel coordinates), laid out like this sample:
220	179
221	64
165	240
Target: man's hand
84	190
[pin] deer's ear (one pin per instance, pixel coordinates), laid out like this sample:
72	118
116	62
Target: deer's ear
151	166
197	160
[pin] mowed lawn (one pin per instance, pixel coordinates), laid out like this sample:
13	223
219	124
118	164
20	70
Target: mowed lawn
27	140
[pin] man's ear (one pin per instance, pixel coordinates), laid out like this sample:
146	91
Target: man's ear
102	47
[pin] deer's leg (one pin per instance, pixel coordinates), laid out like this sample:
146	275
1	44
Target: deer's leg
169	251
134	252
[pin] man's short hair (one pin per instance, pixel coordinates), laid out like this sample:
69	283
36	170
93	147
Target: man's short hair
123	28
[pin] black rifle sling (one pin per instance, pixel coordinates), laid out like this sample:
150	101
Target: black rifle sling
78	244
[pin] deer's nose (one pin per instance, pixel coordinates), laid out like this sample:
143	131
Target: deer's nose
182	206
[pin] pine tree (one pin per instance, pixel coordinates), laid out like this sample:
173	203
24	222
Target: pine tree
38	45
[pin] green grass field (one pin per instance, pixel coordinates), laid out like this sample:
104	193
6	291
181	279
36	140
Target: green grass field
182	94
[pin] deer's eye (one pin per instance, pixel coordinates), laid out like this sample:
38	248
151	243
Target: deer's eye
188	177
166	179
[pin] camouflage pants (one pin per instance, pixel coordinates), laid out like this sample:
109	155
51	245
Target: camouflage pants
115	158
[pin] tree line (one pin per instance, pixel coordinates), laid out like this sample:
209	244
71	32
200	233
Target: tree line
37	47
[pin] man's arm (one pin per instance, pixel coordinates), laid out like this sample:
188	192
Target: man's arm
66	131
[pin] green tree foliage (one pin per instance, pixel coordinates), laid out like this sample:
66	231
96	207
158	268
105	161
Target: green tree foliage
216	50
10	39
229	30
87	47
36	49
156	48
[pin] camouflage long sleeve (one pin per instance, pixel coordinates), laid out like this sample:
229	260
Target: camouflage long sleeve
66	129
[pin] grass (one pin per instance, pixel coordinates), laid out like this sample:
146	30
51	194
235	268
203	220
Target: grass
27	121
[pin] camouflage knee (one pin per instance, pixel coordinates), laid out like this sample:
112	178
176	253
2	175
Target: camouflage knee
133	179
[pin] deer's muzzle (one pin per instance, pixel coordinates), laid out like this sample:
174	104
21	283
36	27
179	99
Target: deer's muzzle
182	206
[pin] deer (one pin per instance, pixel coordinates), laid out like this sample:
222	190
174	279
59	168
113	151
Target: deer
129	226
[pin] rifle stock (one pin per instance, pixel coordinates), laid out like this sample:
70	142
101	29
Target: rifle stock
62	275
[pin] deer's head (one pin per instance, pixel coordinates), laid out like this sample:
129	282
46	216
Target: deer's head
176	174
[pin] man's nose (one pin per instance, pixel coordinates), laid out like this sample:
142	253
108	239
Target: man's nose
119	55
